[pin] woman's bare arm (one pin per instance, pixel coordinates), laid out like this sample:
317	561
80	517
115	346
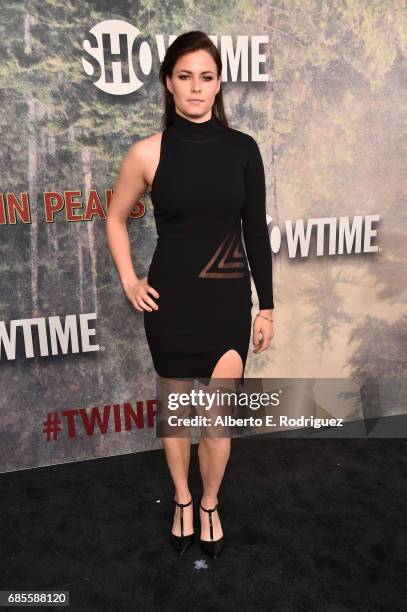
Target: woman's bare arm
129	187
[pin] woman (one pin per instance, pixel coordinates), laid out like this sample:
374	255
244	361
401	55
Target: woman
207	184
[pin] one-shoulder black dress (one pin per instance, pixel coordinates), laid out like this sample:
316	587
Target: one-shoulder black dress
209	185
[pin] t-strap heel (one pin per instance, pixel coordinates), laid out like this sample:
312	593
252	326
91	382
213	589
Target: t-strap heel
183	542
213	548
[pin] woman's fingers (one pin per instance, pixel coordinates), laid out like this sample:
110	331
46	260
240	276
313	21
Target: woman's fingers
256	336
141	299
146	299
136	306
151	302
153	291
144	304
262	335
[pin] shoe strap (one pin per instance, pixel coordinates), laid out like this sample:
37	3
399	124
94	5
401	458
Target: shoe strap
211	510
182	506
210	518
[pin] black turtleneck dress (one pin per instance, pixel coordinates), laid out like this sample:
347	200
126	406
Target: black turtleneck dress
208	187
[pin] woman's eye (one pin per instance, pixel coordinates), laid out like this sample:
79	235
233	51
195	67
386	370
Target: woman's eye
186	76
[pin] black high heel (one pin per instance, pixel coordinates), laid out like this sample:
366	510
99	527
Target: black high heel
182	543
213	548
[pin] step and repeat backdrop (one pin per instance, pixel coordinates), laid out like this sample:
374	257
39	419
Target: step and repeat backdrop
320	86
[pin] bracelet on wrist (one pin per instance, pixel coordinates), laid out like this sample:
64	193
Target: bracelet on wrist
263	317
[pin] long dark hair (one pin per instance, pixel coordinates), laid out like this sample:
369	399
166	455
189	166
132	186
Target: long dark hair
186	43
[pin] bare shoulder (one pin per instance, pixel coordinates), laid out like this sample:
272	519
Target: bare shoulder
146	148
144	154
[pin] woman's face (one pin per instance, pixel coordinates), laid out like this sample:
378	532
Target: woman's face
194	84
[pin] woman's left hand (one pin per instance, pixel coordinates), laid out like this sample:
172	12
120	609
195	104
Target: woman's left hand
263	328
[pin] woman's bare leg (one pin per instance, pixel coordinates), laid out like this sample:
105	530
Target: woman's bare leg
214	452
178	452
177	449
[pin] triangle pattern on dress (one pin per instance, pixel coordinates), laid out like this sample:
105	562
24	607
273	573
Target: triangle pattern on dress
228	259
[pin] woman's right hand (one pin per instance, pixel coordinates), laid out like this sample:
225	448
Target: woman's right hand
138	291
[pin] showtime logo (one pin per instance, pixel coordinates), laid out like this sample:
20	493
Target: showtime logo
331	235
62	338
123	59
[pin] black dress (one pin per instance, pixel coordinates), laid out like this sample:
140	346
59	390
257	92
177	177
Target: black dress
209	184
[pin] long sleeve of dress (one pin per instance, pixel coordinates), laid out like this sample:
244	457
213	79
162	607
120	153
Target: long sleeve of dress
254	224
